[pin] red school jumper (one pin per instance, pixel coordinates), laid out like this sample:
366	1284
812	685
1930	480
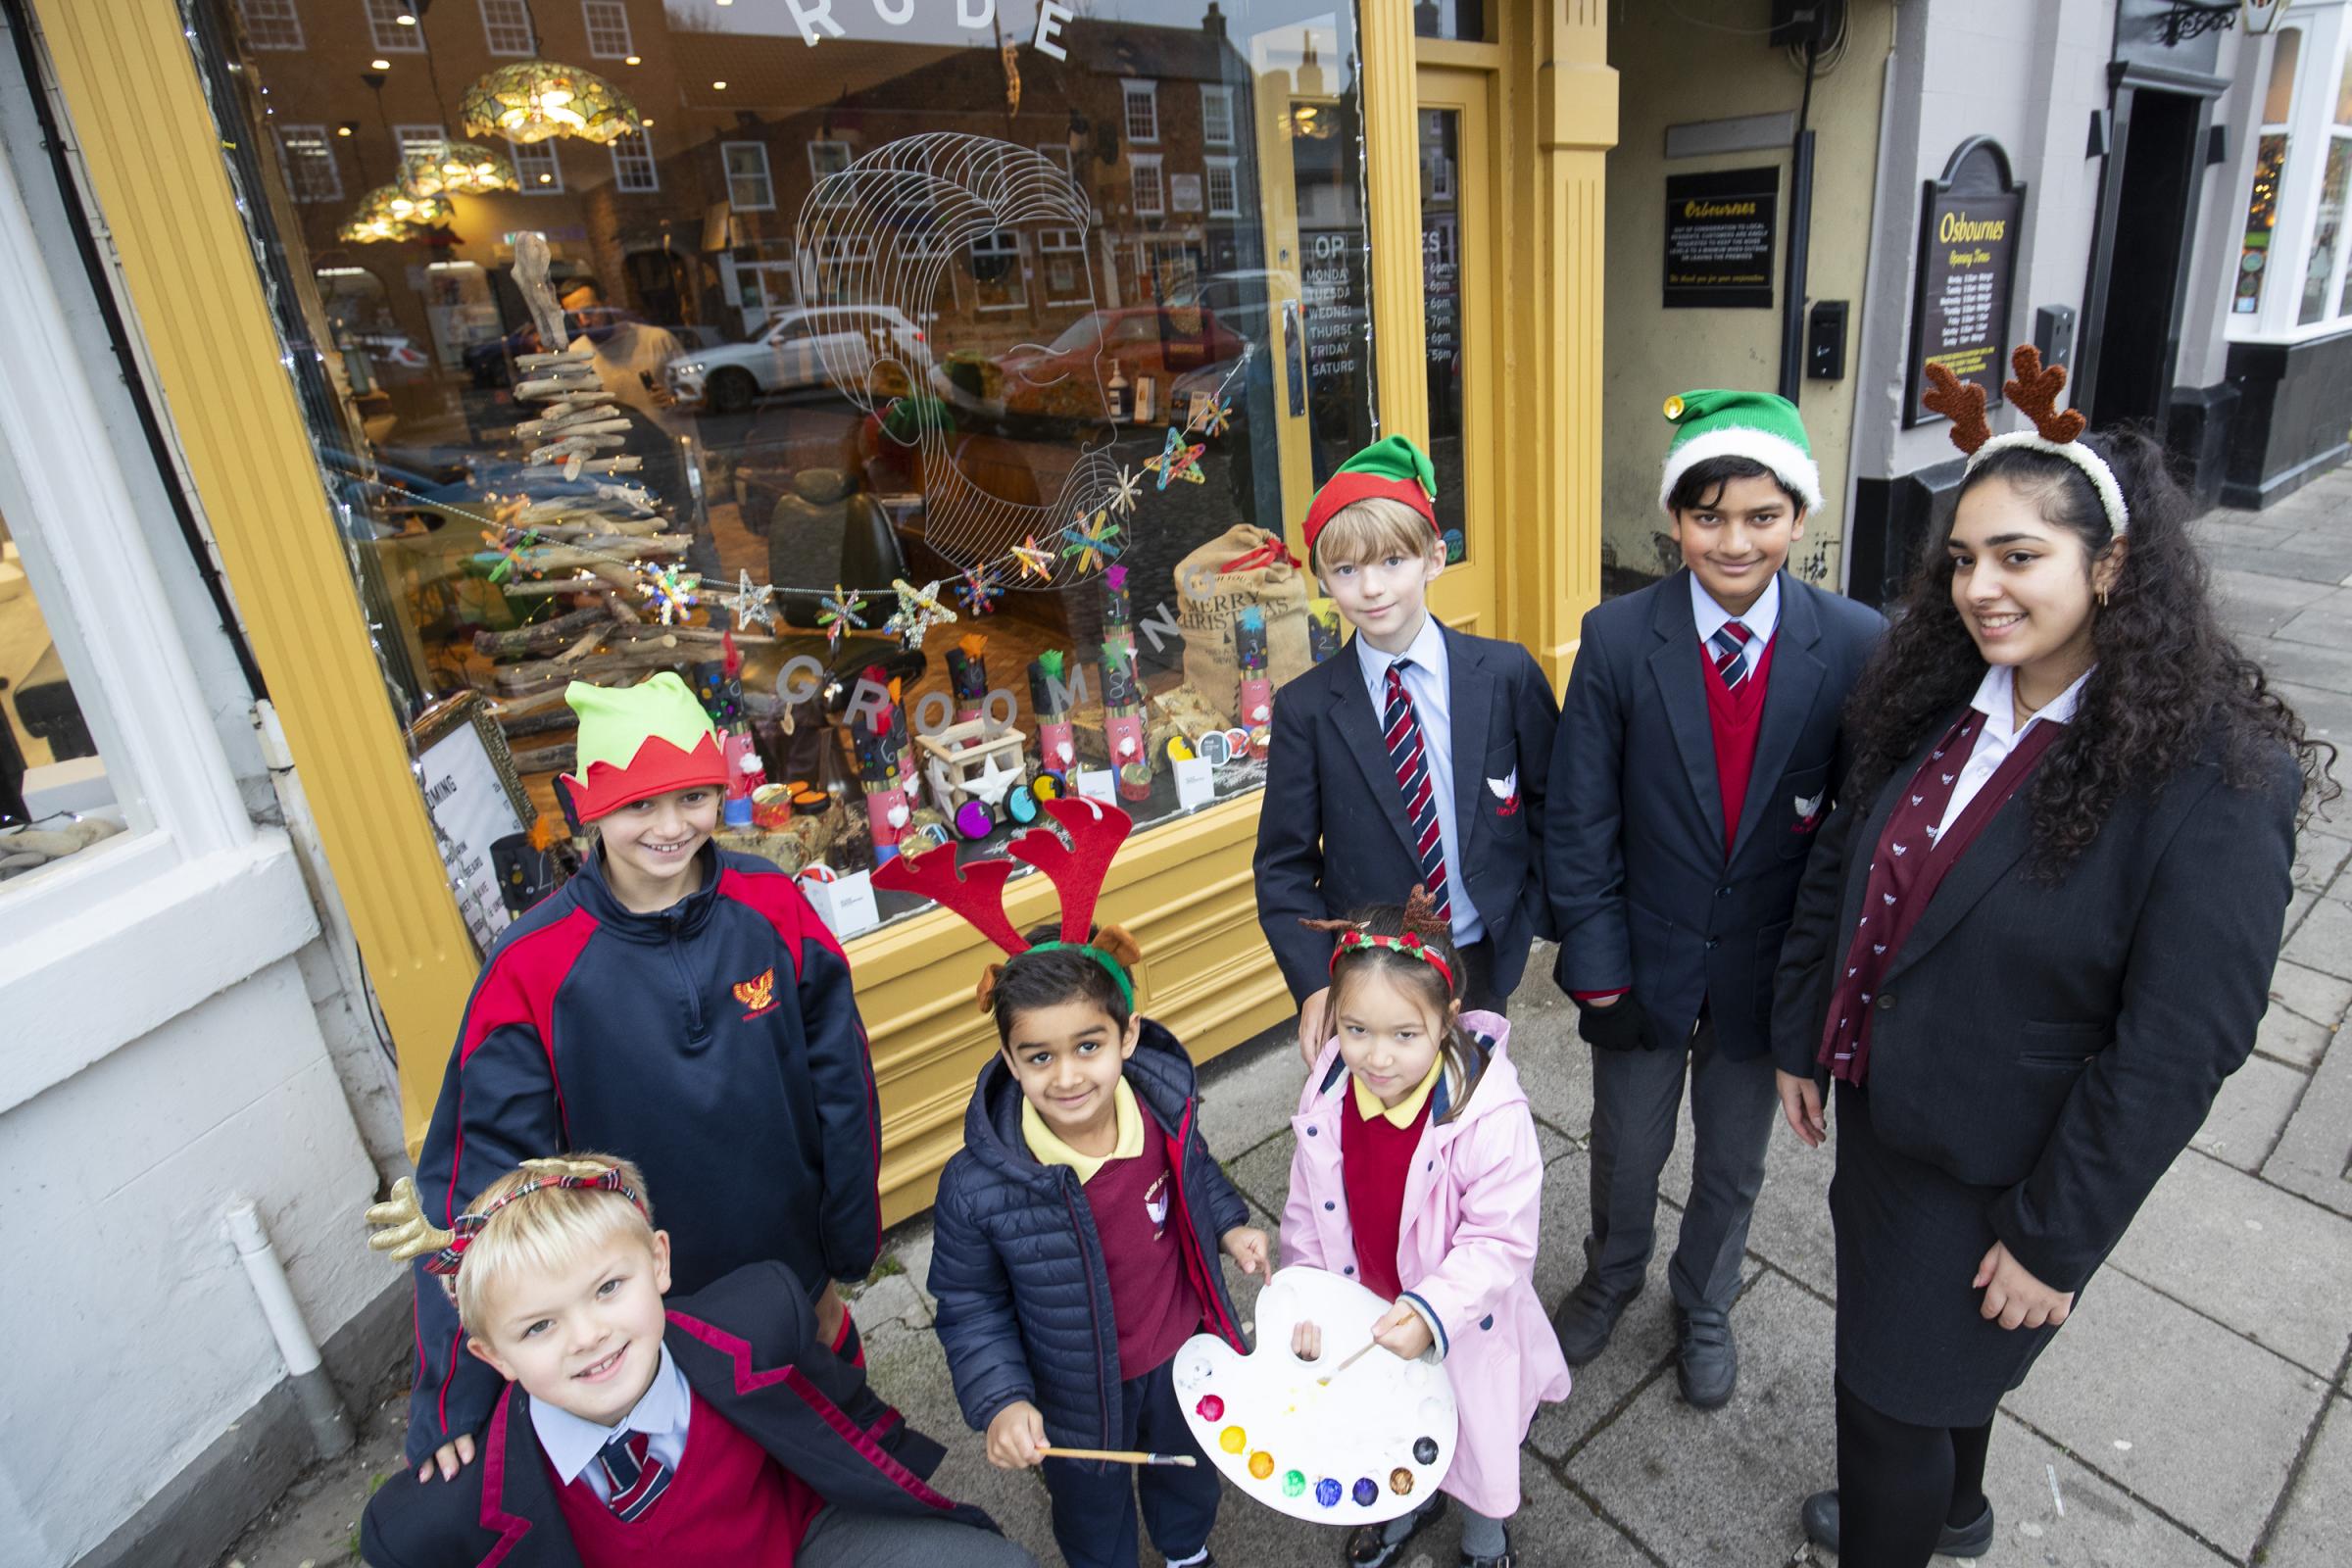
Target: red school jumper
1735	718
729	1503
1375	1156
1152	1302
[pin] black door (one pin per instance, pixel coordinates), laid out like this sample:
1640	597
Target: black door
2150	211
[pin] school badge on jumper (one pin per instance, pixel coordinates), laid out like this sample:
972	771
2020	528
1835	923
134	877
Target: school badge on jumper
1155	1204
1506	791
1808	812
759	994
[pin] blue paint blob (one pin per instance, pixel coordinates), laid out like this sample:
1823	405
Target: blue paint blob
1367	1493
1326	1492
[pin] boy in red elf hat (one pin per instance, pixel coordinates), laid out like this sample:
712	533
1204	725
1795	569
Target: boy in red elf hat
681	1005
1423	750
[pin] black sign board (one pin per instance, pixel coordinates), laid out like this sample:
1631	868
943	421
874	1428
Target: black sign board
1719	239
1970	227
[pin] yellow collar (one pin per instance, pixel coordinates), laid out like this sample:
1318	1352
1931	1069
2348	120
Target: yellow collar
1052	1151
1401	1113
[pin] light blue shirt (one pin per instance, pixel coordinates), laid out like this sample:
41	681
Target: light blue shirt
573	1443
1427	684
1762	619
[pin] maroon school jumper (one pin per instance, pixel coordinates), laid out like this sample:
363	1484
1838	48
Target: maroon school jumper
1735	718
1152	1303
729	1503
1375	1154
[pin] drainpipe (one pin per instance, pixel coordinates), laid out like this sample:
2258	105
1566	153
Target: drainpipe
321	1406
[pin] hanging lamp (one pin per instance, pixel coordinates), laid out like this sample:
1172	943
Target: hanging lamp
457	169
534	99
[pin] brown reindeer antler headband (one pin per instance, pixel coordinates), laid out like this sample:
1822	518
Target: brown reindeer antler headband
2035	393
1420	915
976	891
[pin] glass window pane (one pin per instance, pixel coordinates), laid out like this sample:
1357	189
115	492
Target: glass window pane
2343	94
1465	19
2278	101
859	320
2262	215
55	800
2326	230
1442	288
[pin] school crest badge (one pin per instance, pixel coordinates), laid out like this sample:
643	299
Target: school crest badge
1808	812
1506	790
759	994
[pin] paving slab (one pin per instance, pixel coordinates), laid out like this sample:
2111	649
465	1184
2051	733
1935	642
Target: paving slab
2265	1263
2250	1112
1248	1094
2323	940
2275	561
2313	1153
2171	1407
2308	992
2316	1526
910	1371
1700	1489
2318	861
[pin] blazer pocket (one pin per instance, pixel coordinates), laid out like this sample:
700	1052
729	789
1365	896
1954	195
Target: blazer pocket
1803	805
2061	1047
1499	787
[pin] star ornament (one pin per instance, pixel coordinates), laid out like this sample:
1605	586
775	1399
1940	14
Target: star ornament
751	606
1035	560
992	783
919	609
838	614
1176	460
1092	542
1126	491
1210	417
671	592
978	590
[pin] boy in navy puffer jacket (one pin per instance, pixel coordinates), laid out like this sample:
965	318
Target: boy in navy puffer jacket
1076	1236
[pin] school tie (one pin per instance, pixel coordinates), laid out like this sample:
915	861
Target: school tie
1402	728
1729	645
637	1478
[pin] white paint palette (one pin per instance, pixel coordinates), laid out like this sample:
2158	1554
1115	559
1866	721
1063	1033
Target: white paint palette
1371	1444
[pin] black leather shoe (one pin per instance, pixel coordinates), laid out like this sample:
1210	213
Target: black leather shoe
1820	1519
1706	1362
1368	1547
1586	1318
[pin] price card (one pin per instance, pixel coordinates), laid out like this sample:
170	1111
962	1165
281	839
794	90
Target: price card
1099	783
846	904
1196	782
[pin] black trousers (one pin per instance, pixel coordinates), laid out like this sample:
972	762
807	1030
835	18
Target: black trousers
1093	1503
1478	980
1899	1484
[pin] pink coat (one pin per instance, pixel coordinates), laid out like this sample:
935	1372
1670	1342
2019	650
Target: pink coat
1466	1247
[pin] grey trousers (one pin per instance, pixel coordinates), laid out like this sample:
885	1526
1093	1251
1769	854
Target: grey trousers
843	1540
1637	1098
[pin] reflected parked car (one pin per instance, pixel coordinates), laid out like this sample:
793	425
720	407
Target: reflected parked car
813	346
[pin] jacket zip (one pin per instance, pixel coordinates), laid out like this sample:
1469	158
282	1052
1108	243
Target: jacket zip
694	1000
1205	1277
1081	1229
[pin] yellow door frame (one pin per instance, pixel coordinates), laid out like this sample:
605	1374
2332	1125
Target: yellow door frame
1464	598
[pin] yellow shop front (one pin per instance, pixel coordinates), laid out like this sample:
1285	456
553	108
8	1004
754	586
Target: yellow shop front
963	369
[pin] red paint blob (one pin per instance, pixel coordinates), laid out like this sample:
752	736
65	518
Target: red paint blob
1211	1408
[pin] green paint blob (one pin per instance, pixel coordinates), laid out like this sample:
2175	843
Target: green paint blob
1293	1483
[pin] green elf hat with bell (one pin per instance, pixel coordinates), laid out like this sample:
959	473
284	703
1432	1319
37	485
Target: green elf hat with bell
1756	425
640	741
1395	470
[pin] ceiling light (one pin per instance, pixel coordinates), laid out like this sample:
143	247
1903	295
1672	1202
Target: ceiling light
719	86
380	64
533	100
343	130
406	19
634	60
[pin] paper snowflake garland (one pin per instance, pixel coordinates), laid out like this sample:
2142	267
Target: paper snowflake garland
1176	460
1128	489
919	609
1035	560
1092	542
838	614
749	605
672	591
978	590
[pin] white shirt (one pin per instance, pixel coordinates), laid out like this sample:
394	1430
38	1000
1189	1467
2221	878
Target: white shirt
1762	619
573	1443
1426	682
1998	735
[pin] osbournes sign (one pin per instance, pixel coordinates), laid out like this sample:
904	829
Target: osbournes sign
1969	231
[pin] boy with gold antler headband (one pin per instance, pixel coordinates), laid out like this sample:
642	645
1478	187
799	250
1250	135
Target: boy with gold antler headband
1077	1233
677	1004
719	1432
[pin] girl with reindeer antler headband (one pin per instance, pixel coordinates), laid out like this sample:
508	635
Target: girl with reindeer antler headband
1077	1234
2031	942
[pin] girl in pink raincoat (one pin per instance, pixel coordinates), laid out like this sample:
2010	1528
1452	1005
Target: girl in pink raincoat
1417	1174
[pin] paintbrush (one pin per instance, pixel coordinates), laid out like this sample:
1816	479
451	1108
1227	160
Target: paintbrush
1350	1362
1120	1457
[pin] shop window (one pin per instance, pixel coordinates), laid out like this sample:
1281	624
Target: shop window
633	167
419	138
2326	230
1216	117
2278	99
984	362
389	32
1151	193
1142	99
54	801
748	190
2262	217
310	171
272	24
608	23
537	167
1462	20
507	27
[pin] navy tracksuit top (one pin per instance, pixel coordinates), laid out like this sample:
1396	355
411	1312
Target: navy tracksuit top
716	1043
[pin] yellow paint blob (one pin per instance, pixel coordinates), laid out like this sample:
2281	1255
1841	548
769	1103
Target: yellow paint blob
1233	1440
1262	1464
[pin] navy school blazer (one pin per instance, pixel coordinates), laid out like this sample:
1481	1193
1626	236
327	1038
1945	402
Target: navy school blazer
1332	836
748	1347
1633	852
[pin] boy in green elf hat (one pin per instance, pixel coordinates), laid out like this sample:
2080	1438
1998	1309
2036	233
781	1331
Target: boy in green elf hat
680	1005
1417	758
1699	752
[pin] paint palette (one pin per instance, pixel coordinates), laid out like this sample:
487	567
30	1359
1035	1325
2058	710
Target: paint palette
1369	1446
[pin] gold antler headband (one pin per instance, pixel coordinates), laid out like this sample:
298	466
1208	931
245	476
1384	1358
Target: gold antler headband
403	1230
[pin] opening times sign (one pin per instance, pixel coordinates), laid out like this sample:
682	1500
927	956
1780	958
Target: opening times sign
1970	228
1720	231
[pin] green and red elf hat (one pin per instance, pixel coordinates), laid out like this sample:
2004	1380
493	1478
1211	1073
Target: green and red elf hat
1395	470
640	741
1757	425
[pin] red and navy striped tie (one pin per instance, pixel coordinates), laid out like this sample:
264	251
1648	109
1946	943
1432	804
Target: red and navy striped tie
637	1478
1729	645
1402	728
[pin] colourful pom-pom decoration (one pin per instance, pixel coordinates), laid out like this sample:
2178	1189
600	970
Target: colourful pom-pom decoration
1211	1408
1367	1492
1326	1492
1233	1440
1425	1451
1262	1464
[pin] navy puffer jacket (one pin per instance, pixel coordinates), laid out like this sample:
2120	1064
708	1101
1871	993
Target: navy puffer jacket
1024	1301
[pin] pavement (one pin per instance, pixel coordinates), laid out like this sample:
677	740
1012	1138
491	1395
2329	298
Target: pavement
2194	1412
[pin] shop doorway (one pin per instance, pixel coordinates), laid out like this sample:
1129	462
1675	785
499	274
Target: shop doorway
1457	270
2139	268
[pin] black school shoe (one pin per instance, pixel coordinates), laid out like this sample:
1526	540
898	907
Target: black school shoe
1366	1547
1821	1520
1586	1318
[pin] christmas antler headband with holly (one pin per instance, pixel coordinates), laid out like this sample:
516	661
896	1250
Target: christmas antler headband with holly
402	1229
976	891
2035	393
1420	924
